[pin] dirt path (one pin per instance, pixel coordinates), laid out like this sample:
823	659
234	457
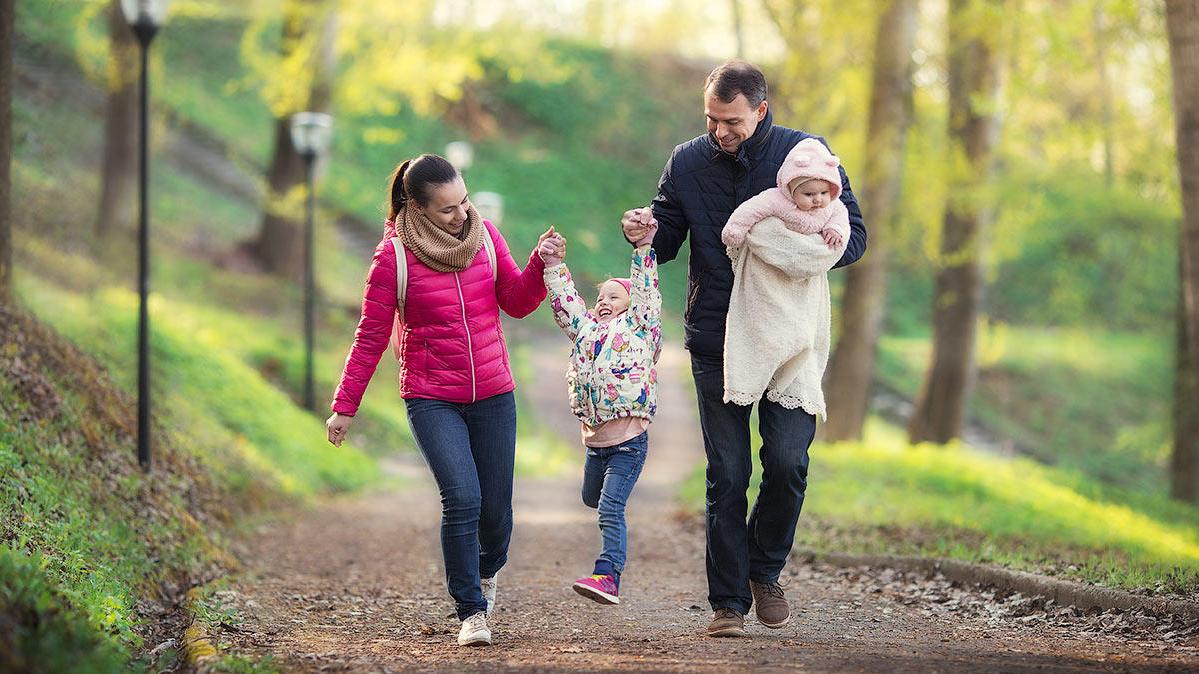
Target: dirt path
357	585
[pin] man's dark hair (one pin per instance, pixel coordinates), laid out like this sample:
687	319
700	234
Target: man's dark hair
737	77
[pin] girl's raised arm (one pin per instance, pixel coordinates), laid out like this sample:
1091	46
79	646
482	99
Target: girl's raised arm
570	311
645	298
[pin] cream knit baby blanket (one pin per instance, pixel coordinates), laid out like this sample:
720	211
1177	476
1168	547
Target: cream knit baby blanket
779	321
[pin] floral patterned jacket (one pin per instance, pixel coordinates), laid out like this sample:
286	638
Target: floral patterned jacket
612	371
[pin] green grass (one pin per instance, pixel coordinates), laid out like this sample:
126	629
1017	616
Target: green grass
97	534
882	495
1091	401
51	635
199	376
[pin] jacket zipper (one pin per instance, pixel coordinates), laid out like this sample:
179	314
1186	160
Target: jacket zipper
470	351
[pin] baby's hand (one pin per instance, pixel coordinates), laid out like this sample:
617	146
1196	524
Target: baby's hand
831	236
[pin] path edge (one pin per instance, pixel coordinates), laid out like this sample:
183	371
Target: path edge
1062	592
199	650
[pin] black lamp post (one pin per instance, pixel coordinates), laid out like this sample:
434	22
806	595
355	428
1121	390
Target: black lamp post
310	134
144	18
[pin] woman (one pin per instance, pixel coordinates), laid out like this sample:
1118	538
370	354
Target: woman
454	373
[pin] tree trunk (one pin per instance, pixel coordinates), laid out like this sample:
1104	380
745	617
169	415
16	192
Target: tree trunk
851	369
7	19
1182	25
738	28
800	91
973	126
118	178
279	245
1105	93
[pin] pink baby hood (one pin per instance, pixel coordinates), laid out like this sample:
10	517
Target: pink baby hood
810	159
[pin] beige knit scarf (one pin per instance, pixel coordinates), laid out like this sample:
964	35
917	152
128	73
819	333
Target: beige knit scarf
437	248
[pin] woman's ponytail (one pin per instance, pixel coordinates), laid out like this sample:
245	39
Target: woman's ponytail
396	193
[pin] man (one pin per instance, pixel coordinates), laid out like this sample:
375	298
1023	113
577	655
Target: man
705	179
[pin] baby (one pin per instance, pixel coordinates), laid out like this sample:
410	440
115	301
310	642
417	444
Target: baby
806	198
782	243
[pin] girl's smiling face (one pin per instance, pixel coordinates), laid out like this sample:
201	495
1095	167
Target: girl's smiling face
613	300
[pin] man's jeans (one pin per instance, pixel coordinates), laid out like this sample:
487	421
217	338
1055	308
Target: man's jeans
608	479
470	449
737	552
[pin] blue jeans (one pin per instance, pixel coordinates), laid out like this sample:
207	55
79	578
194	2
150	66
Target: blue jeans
738	551
471	450
608	479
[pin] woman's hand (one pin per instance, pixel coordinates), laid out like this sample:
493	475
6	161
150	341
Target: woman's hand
336	427
552	248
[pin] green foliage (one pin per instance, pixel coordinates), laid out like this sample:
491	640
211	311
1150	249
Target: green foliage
1091	401
1074	252
39	630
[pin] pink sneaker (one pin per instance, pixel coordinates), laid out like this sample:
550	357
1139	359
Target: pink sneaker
600	588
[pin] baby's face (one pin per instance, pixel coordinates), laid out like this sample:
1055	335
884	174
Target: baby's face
812	194
612	301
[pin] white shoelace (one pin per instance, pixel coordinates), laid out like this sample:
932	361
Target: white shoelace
476	622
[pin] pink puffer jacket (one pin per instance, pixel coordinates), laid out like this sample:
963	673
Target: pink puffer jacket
452	346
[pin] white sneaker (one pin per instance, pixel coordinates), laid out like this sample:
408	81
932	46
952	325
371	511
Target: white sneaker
474	631
487	585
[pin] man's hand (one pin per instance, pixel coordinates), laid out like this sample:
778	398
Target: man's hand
648	239
637	225
336	427
552	249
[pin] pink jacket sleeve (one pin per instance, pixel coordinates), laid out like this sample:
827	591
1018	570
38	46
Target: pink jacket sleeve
757	208
373	333
519	293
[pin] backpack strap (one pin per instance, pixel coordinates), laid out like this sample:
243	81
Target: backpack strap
401	276
489	246
402	282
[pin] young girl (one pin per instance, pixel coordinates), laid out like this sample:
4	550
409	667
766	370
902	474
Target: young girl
778	334
612	382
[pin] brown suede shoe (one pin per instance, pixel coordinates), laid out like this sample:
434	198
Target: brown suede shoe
726	622
770	604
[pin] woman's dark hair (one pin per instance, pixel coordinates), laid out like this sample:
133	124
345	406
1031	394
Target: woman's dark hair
414	178
737	77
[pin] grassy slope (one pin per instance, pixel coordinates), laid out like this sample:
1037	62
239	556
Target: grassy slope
86	531
1089	401
882	495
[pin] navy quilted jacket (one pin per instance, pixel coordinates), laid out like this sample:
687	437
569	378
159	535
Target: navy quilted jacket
700	187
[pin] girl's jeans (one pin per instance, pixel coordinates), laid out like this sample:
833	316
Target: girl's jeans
470	449
608	479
